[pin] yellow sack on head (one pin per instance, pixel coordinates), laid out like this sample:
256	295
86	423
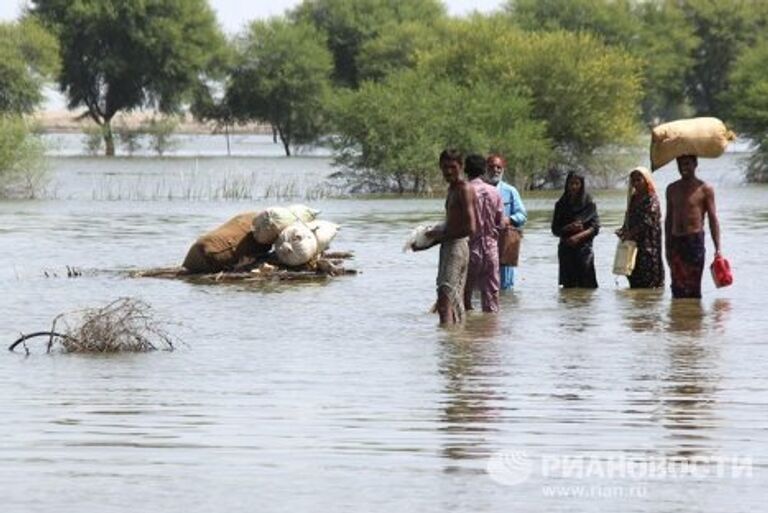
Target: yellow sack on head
702	137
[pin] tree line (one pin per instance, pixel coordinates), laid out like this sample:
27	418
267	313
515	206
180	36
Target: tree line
551	84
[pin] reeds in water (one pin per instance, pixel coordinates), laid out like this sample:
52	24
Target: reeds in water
222	188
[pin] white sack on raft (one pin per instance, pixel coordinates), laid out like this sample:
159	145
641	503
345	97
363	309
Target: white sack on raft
324	232
268	224
296	245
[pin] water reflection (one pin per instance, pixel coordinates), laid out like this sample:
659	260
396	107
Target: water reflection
471	369
641	309
686	316
576	305
721	313
689	317
689	403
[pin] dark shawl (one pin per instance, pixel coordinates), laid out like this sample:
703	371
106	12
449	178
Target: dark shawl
577	263
583	209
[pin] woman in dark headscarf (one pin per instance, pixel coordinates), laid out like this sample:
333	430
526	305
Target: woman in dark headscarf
576	223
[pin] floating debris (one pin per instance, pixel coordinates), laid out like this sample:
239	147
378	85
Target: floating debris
329	264
124	325
71	272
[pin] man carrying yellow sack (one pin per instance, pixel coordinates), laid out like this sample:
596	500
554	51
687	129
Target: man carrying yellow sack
689	199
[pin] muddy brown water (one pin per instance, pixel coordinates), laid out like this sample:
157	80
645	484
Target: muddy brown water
346	395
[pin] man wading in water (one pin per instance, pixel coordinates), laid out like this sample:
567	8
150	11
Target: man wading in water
688	200
483	273
454	243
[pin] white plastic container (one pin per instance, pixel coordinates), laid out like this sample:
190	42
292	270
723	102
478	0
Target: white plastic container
624	261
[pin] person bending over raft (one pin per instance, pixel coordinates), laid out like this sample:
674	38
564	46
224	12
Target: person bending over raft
642	224
576	223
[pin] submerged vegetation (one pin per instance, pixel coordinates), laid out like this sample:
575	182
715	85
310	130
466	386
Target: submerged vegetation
22	166
124	325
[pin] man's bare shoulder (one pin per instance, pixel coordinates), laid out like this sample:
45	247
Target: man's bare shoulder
460	192
465	189
671	188
460	185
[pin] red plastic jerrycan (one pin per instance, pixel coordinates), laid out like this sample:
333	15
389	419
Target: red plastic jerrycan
721	272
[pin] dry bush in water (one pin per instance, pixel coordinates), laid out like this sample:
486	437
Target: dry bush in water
124	325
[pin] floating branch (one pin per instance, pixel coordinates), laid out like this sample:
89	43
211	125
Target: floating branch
124	325
23	338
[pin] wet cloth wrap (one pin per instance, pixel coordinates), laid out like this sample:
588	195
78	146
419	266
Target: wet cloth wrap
686	264
483	273
452	273
577	263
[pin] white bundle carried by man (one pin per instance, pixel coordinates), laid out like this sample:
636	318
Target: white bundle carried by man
419	240
701	137
270	223
301	242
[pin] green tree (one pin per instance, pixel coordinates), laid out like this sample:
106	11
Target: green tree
28	57
130	54
210	105
612	20
390	133
129	137
282	78
665	42
93	139
725	29
22	168
397	48
749	95
585	91
160	132
349	24
655	31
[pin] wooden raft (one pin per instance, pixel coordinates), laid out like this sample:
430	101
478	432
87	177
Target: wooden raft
328	265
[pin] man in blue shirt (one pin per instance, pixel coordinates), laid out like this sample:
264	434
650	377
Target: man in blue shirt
513	208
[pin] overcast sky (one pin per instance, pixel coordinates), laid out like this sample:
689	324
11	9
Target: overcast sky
233	14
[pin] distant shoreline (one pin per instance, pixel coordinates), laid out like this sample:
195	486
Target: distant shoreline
65	121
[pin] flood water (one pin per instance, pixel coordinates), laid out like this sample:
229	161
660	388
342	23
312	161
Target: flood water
345	395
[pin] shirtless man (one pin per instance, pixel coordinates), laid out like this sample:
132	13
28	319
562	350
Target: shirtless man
454	239
688	201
